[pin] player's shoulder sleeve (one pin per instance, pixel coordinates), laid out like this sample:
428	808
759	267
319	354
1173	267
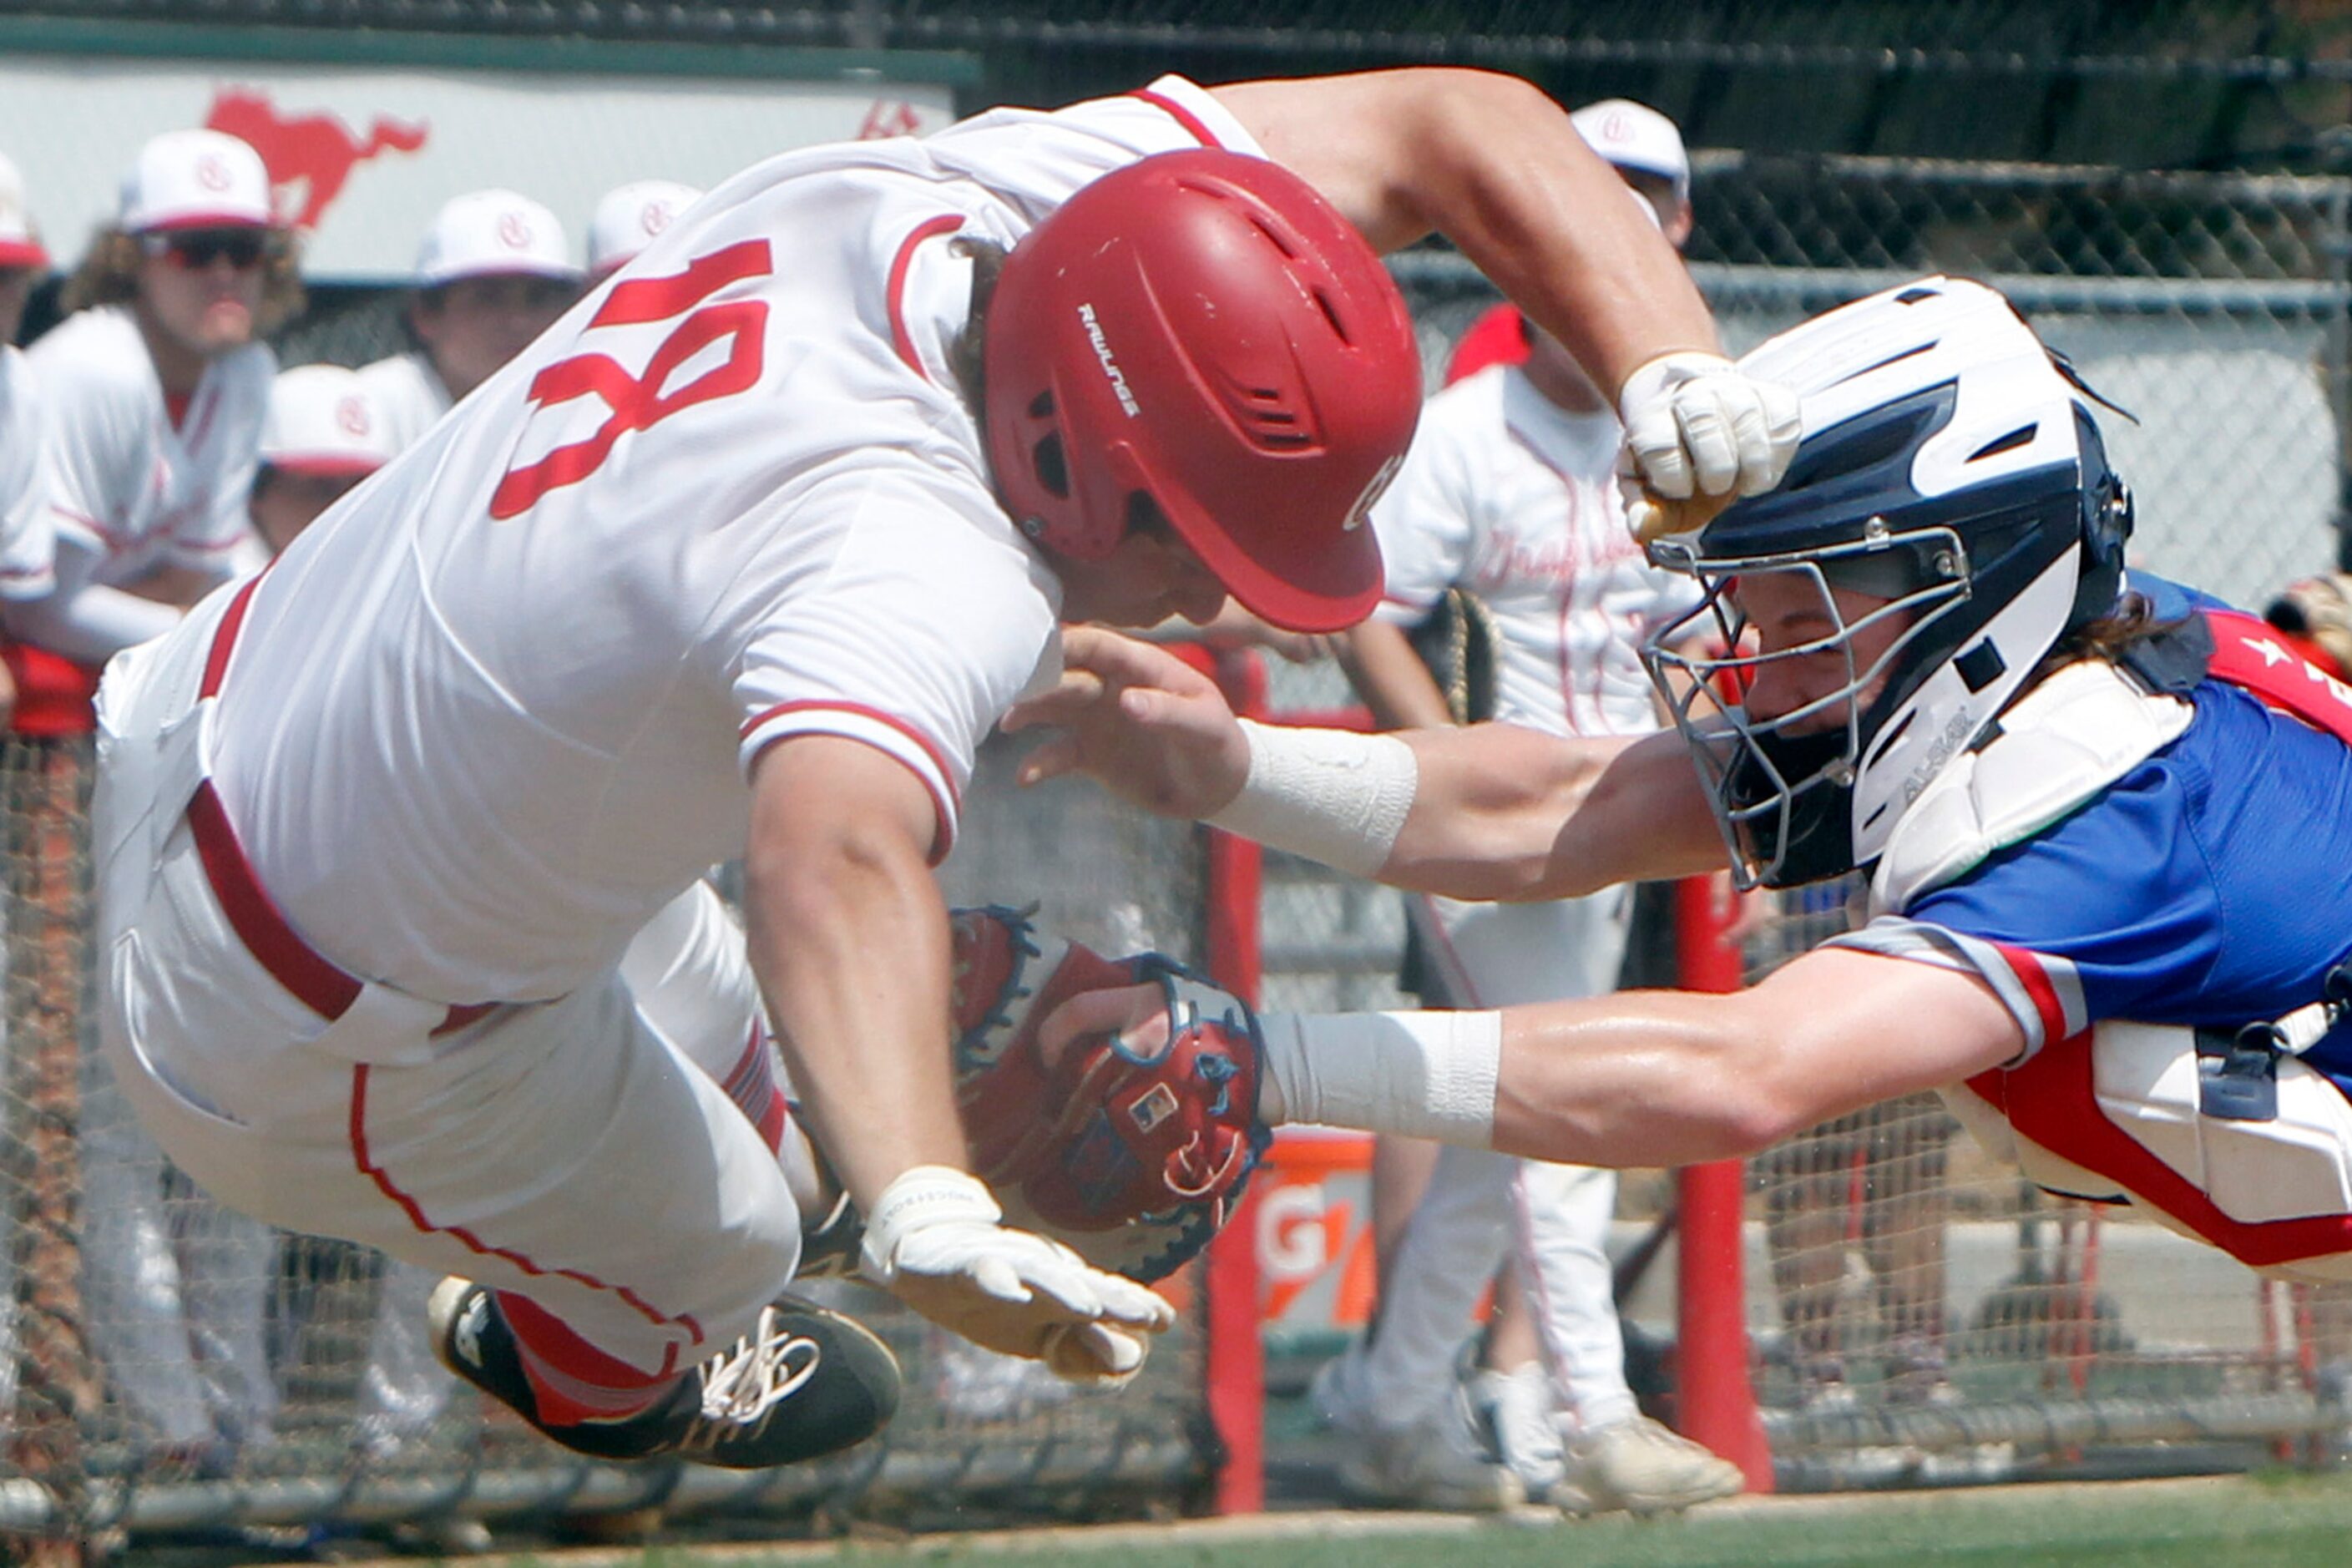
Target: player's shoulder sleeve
1037	159
2113	913
894	611
27	537
100	406
1427	520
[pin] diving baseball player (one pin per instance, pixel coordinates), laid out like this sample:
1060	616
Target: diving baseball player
493	272
2105	820
743	557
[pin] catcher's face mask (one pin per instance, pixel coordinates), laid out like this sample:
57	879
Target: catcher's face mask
1781	706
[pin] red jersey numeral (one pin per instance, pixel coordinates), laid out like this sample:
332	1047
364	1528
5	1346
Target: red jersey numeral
638	402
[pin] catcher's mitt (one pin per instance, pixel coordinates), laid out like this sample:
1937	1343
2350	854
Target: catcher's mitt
1458	642
1133	1158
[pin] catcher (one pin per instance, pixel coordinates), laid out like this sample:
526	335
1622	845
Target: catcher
2107	820
742	557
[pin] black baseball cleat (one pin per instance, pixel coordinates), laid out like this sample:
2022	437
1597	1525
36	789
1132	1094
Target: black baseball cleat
804	1384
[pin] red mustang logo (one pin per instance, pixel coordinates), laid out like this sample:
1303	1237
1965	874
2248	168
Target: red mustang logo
308	156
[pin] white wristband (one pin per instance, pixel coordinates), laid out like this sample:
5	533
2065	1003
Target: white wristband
1333	795
1423	1075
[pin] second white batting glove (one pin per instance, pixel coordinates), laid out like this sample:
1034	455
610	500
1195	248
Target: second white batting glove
1697	425
937	1240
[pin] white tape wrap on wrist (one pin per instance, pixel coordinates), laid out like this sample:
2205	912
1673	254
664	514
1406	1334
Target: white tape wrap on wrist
924	1195
1424	1075
1333	795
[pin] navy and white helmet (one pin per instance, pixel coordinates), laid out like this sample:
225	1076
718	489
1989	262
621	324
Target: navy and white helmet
1950	465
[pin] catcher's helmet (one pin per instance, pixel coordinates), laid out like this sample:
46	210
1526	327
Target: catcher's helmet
1950	465
1203	328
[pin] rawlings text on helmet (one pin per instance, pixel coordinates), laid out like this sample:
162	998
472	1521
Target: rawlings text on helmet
1111	370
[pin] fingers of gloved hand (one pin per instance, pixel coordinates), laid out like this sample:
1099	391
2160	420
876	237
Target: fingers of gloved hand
1705	418
1133	1306
1093	1354
1654	446
1695	424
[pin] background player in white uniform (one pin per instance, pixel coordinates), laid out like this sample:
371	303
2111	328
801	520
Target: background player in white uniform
728	563
27	548
1510	493
628	218
322	436
493	272
155	389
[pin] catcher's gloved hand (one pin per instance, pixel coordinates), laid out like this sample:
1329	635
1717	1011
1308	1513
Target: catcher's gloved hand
1700	431
1131	1148
937	1240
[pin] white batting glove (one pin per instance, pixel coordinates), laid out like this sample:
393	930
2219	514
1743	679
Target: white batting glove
938	1241
1696	424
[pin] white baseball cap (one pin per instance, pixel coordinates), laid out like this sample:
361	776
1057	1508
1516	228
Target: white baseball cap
629	217
18	244
195	179
493	232
322	421
1635	136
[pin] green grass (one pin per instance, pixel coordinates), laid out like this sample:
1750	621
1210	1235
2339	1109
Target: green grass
2288	1522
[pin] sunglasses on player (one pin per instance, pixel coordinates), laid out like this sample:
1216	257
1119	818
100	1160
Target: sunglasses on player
197	248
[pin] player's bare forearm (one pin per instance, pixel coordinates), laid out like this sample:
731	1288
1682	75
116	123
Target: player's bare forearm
848	937
1665	1078
1499	812
1508	813
1391	679
1493	164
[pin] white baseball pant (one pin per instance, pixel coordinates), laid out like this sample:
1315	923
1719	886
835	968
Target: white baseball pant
569	1151
1482	1207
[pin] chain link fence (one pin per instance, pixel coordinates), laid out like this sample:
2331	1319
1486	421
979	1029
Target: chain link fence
172	1365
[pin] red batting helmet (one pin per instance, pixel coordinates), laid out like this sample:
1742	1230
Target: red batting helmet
1205	328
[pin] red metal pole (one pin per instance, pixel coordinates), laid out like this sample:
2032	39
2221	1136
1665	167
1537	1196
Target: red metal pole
1235	1353
1715	1401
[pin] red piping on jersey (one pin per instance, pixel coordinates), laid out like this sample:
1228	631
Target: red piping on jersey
944	806
366	1162
312	980
930	229
114	540
2026	964
1192	122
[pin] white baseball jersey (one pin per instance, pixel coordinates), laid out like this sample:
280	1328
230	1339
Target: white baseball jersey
127	480
27	544
1514	498
498	708
407	392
